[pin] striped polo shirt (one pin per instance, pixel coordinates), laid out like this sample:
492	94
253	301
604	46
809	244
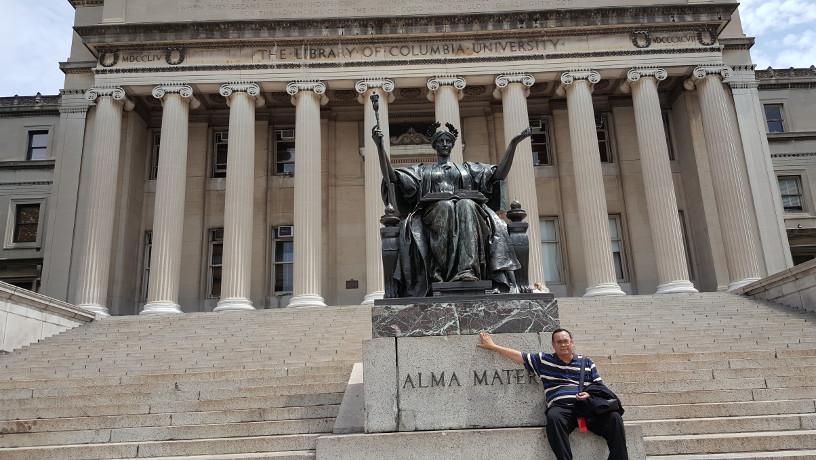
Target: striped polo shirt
560	379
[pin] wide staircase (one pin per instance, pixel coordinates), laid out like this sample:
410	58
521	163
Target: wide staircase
707	376
248	385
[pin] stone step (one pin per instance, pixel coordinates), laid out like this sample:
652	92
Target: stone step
711	425
59	390
168	433
167	419
299	442
290	455
237	403
766	455
730	442
726	409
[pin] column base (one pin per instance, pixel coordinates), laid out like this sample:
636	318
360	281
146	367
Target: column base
234	304
677	287
738	284
100	311
372	296
161	308
605	289
306	300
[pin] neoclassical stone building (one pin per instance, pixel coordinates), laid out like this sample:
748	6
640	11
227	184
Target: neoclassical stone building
217	154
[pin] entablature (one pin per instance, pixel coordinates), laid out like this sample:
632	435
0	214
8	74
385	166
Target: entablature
707	18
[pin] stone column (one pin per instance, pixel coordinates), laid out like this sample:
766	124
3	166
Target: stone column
236	280
446	92
103	171
661	202
513	90
373	179
731	188
761	176
589	184
308	96
62	214
171	186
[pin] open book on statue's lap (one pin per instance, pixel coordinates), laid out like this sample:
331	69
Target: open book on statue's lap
457	195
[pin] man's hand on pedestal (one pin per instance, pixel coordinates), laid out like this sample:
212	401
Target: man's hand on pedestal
486	341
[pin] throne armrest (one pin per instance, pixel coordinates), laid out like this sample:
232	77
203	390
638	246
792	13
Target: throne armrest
521	244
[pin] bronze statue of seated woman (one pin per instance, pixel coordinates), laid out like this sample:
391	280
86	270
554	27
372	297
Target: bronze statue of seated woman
449	229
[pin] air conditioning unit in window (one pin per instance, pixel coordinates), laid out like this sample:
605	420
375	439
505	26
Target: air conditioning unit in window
536	123
285	231
287	134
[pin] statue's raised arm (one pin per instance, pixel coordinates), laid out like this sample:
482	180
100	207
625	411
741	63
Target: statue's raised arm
377	134
503	169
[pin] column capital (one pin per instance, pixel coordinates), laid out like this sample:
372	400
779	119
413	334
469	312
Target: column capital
504	80
363	86
185	91
253	90
635	74
571	76
434	83
703	71
318	87
117	93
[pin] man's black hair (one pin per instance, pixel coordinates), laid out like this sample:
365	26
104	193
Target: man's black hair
552	337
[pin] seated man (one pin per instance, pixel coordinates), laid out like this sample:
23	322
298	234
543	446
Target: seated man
560	374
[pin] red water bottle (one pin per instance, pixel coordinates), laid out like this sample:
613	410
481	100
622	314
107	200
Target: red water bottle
582	425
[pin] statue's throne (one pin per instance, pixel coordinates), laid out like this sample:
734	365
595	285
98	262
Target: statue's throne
390	233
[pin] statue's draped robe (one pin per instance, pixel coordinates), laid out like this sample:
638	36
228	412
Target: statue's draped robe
450	240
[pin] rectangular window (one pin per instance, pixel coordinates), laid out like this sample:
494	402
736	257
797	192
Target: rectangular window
37	145
284	259
148	249
669	139
774	118
154	156
541	141
687	245
220	147
604	143
215	259
618	255
551	250
791	189
285	151
26	223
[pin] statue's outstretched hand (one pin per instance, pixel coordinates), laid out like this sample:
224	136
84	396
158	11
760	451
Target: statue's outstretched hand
523	135
377	134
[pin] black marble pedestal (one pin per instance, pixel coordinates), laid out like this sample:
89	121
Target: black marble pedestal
464	315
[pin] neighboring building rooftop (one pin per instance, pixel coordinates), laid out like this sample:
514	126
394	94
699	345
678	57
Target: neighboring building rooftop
771	78
28	105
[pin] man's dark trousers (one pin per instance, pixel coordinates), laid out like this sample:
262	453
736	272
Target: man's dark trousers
561	420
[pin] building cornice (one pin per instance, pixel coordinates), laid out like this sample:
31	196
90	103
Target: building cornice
81	3
703	17
771	78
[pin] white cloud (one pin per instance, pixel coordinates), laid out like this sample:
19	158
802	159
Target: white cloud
36	36
761	16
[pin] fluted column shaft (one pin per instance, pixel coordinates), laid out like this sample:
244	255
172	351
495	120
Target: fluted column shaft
308	263
103	167
589	185
446	93
373	180
661	202
521	184
168	214
730	187
239	198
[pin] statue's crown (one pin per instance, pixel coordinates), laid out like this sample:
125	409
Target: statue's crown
434	134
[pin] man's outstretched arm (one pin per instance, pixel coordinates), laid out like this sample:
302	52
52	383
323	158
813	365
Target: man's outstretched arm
486	342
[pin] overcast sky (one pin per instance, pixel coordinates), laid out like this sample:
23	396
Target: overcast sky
36	36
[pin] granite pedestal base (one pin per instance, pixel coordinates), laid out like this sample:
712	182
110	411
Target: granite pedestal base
423	369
